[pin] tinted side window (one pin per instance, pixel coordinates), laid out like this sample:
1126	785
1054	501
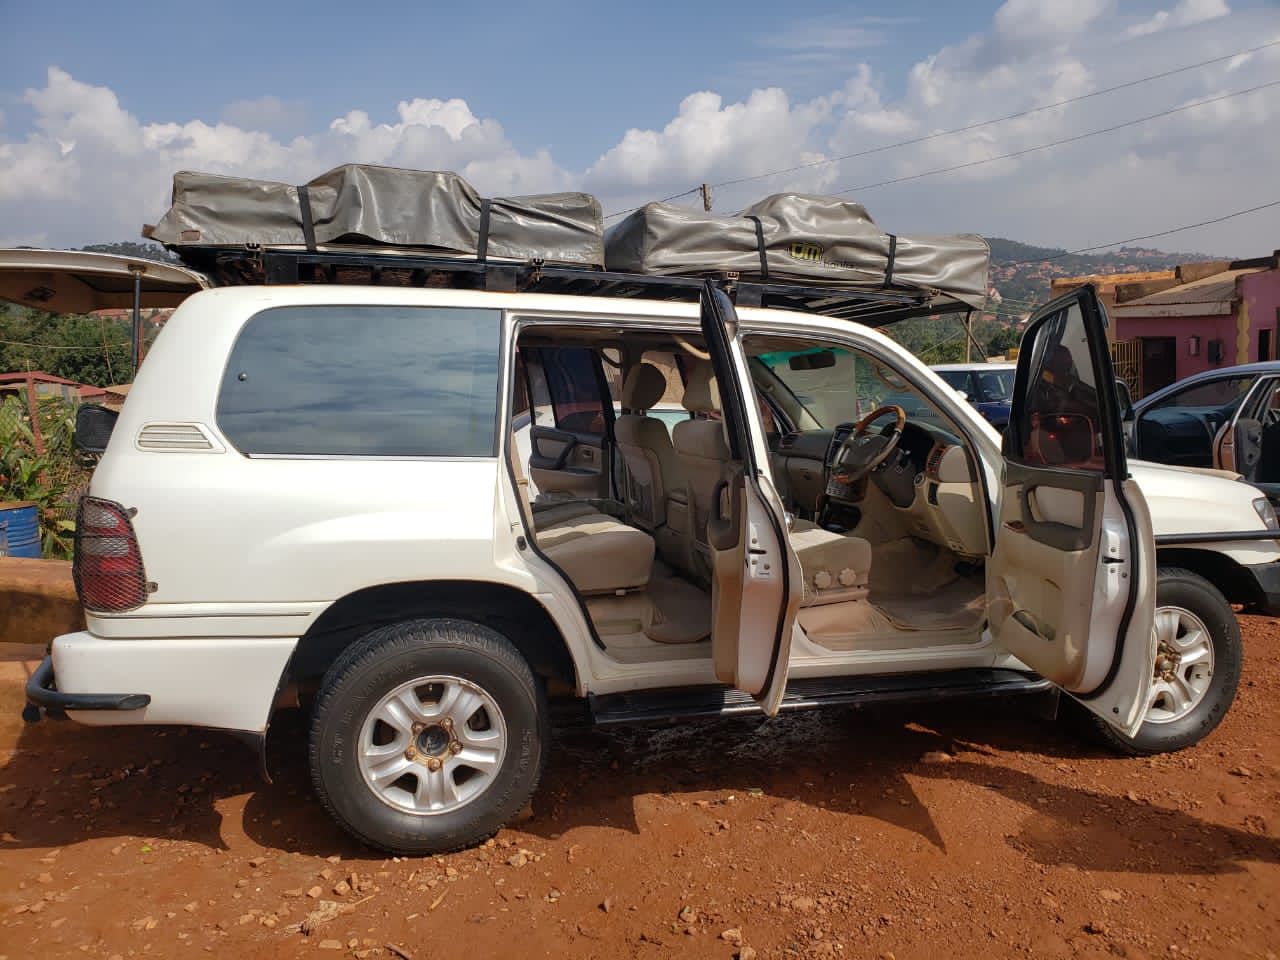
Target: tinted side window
575	391
1221	396
955	379
364	381
1060	424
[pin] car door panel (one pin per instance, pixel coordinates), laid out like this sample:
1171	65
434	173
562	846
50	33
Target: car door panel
1070	583
564	462
570	425
756	578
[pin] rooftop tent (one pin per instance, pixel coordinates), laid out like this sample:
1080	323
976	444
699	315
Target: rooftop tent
802	239
372	208
72	281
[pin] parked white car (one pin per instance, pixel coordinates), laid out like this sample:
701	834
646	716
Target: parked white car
313	491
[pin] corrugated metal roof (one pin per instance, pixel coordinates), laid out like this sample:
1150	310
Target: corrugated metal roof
1210	296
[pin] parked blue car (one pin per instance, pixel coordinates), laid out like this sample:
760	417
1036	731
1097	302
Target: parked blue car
988	386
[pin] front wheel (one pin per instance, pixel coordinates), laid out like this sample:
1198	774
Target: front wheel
1198	661
428	736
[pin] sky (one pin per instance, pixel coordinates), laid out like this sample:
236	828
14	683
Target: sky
100	105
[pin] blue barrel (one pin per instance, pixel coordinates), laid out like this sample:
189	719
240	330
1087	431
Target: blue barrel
20	527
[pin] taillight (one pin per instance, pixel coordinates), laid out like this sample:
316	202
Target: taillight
108	566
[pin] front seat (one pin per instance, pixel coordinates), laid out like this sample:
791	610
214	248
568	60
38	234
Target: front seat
836	567
701	446
653	470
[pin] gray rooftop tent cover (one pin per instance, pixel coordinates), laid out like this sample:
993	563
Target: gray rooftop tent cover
800	239
380	207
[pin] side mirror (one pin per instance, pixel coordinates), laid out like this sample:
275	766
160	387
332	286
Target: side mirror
1125	400
94	424
962	395
1064	440
819	360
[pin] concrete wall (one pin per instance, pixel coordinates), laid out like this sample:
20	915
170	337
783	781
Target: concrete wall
1222	327
37	601
1260	308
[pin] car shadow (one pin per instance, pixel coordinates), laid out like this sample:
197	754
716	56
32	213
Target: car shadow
71	783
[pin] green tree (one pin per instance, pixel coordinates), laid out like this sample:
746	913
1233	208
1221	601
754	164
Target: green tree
87	349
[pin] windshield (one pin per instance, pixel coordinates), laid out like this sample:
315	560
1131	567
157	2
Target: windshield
994	386
835	385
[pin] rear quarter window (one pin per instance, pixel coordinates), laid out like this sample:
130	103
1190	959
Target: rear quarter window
363	381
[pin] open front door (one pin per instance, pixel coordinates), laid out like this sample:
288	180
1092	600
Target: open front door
1071	581
756	582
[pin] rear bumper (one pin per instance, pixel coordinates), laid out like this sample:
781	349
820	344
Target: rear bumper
42	692
229	683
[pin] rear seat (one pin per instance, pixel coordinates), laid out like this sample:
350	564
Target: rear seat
549	514
598	553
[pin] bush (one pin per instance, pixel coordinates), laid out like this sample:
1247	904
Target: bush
52	480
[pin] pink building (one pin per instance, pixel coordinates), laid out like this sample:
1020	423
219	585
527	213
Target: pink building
1202	319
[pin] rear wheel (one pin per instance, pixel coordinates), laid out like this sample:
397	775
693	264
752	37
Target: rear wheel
428	736
1197	668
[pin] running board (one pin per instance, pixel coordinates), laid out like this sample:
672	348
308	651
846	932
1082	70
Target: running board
638	707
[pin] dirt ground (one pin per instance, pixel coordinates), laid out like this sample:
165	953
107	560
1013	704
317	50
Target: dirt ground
971	830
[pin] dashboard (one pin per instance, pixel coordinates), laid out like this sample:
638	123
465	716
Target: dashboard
927	481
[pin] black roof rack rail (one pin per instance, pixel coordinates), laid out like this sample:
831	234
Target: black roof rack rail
875	307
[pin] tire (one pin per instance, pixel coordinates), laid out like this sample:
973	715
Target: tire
1179	590
371	768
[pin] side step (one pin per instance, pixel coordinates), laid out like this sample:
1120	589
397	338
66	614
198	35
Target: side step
638	707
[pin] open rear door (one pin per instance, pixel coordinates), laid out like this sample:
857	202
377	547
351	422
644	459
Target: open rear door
74	281
756	583
1071	581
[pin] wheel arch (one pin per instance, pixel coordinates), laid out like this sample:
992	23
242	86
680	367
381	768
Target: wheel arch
515	614
1231	579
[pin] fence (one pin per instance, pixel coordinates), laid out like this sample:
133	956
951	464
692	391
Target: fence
1126	358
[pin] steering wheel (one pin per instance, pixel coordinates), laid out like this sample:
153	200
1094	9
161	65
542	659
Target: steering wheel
863	451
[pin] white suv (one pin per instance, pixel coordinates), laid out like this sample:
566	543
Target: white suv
314	493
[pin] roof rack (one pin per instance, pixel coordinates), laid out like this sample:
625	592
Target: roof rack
875	308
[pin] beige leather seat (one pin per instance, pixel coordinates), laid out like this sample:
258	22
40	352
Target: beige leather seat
836	567
701	446
653	469
598	553
550	514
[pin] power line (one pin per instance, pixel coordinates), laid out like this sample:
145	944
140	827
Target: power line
967	128
674	196
57	346
1148	236
986	123
1057	143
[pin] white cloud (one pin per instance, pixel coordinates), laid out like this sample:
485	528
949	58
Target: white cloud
90	170
710	140
1034	21
1184	14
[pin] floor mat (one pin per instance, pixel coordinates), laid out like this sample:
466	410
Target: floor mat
682	612
960	603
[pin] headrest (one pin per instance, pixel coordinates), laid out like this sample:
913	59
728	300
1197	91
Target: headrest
701	395
643	387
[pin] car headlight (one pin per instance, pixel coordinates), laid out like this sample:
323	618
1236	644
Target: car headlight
1267	512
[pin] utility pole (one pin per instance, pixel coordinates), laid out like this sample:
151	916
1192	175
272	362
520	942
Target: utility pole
968	334
706	198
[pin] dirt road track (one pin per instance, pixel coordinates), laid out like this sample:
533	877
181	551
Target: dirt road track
973	830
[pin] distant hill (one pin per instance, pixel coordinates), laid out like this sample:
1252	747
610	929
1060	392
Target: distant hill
1021	273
